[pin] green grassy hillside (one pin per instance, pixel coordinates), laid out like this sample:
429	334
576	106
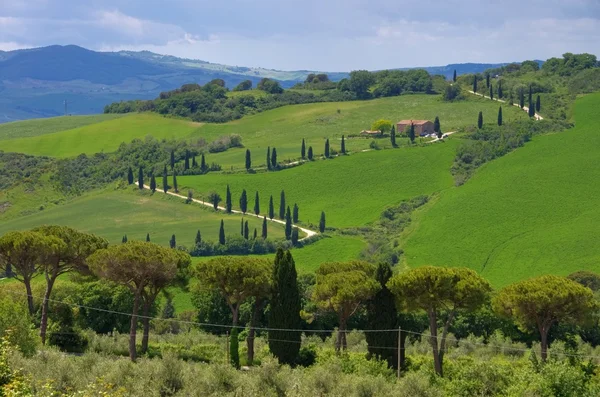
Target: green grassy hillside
113	213
352	190
36	127
532	212
101	137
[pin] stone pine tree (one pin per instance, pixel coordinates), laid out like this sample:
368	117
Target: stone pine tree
393	137
282	205
322	222
343	148
203	163
244	201
382	314
256	204
152	183
327	148
172	159
303	150
500	89
228	204
186	163
246	230
130	176
268	157
437	128
500	116
147	237
538	104
310	153
222	233
274	164
295	213
198	238
248	160
271	208
285	309
454	76
141	178
173	242
288	224
492	92
175	180
475	83
411	133
294	236
480	120
264	227
165	181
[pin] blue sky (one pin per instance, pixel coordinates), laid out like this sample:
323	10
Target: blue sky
328	35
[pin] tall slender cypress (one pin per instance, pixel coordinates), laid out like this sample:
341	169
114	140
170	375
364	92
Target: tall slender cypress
173	242
186	163
246	231
295	213
500	89
487	80
285	309
327	148
303	149
242	228
531	111
454	76
521	98
343	148
271	208
269	157
393	137
152	183
256	204
264	228
228	204
491	92
530	94
294	237
310	153
282	205
500	116
198	238
222	233
141	178
411	133
175	180
248	160
480	120
124	239
538	104
194	163
244	201
322	222
475	83
203	163
274	164
130	176
147	237
288	224
255	233
172	159
437	128
234	348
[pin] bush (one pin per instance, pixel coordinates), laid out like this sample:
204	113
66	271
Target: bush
16	327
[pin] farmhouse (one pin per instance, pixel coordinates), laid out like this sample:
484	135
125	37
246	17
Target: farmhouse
421	126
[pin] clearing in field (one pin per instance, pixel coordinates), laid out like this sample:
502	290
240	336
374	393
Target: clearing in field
532	212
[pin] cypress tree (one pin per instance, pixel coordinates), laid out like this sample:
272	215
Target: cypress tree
246	231
244	201
271	208
382	314
255	233
285	309
282	205
186	164
165	182
322	222
310	153
269	158
248	160
393	137
288	224
411	133
492	92
327	148
538	104
500	116
531	109
343	145
530	95
222	233
216	198
124	240
264	227
147	237
487	80
500	89
521	98
295	213
437	128
242	228
172	159
198	239
130	176
454	76
256	204
274	164
203	163
173	242
295	236
152	183
141	178
480	120
475	83
175	180
194	163
228	204
234	348
303	149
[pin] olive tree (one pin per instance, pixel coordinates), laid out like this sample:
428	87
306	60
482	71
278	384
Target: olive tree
142	267
541	302
342	287
438	291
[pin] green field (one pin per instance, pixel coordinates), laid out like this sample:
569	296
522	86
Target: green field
36	127
113	213
105	136
352	190
529	213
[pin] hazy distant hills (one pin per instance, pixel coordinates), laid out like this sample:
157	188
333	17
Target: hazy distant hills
37	82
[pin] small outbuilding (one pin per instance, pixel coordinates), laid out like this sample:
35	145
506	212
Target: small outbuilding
422	127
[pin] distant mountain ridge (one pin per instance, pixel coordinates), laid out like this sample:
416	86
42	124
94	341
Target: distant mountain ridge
37	82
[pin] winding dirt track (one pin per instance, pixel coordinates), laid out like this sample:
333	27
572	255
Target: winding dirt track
525	108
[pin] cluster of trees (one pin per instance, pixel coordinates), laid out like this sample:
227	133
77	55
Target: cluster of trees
365	84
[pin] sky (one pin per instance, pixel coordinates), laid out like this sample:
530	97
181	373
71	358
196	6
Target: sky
324	35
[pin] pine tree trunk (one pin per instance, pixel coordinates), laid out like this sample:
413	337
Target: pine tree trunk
27	283
544	342
434	343
133	328
44	321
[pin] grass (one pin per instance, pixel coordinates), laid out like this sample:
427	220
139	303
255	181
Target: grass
352	190
114	213
37	127
529	213
101	137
